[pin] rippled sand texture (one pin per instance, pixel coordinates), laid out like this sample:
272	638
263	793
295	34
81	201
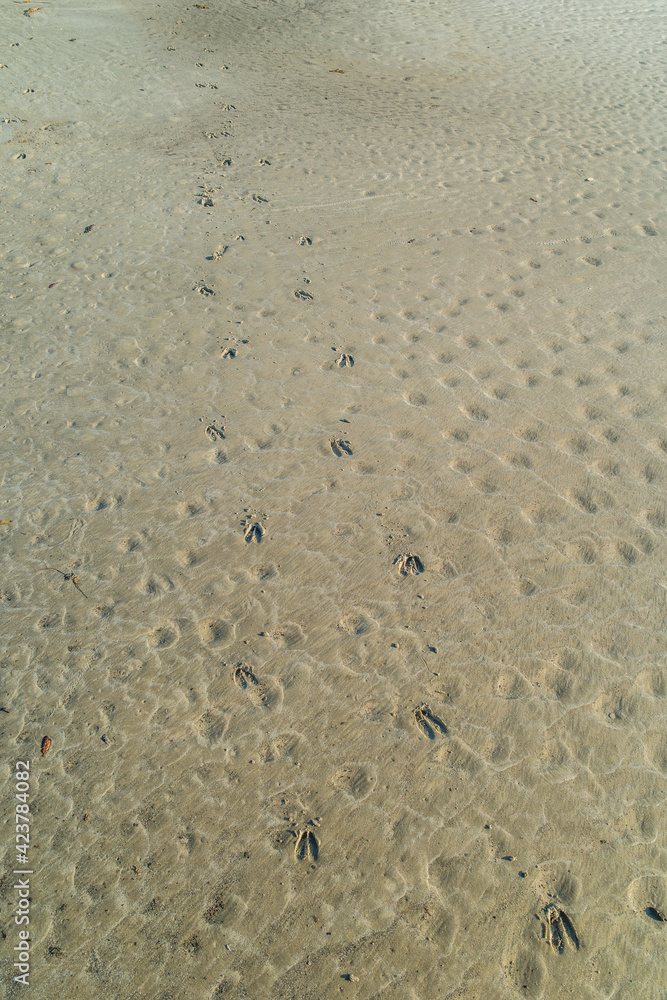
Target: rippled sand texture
361	285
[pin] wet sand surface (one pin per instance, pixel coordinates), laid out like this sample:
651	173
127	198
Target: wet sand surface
334	374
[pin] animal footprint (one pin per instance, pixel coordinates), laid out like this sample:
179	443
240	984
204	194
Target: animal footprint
214	433
301	294
340	447
305	241
202	289
307	846
228	352
558	929
211	727
244	677
358	782
164	637
154	584
215	631
429	722
253	532
218	254
345	360
409	564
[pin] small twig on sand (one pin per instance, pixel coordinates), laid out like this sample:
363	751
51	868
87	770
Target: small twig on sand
65	576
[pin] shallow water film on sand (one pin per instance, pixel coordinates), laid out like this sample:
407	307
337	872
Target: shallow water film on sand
334	453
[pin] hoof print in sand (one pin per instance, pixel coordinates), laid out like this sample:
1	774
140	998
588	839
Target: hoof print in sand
409	564
305	296
345	361
228	352
214	433
307	846
340	447
244	677
247	681
305	241
254	532
429	723
262	693
218	254
559	930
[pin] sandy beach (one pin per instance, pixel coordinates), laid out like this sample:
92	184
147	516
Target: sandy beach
334	454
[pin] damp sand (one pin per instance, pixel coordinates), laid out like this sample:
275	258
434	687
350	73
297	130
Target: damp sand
334	372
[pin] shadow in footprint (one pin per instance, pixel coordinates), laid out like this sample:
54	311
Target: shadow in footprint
429	723
307	846
259	692
409	564
340	447
253	533
244	677
559	930
214	433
